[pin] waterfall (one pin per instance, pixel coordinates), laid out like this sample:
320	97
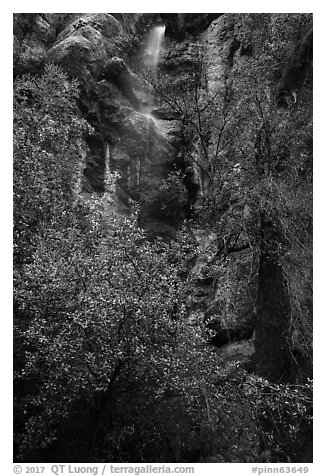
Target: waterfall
151	57
153	48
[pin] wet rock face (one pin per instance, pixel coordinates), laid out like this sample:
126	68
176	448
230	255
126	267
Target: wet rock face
116	72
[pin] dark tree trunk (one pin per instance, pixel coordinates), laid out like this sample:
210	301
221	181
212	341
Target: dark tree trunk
273	311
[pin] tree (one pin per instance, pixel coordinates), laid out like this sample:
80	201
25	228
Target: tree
101	306
47	161
48	166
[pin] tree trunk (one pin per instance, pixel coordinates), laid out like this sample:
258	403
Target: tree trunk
273	311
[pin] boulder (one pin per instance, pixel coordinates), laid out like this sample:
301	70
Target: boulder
85	44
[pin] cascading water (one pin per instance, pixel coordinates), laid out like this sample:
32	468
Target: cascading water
151	58
150	146
154	48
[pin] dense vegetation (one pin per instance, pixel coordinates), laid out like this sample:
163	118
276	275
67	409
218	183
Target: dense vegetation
106	366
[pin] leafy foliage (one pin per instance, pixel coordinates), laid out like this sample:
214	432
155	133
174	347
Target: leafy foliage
99	304
47	163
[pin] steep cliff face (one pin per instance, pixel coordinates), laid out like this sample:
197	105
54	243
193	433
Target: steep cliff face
139	130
